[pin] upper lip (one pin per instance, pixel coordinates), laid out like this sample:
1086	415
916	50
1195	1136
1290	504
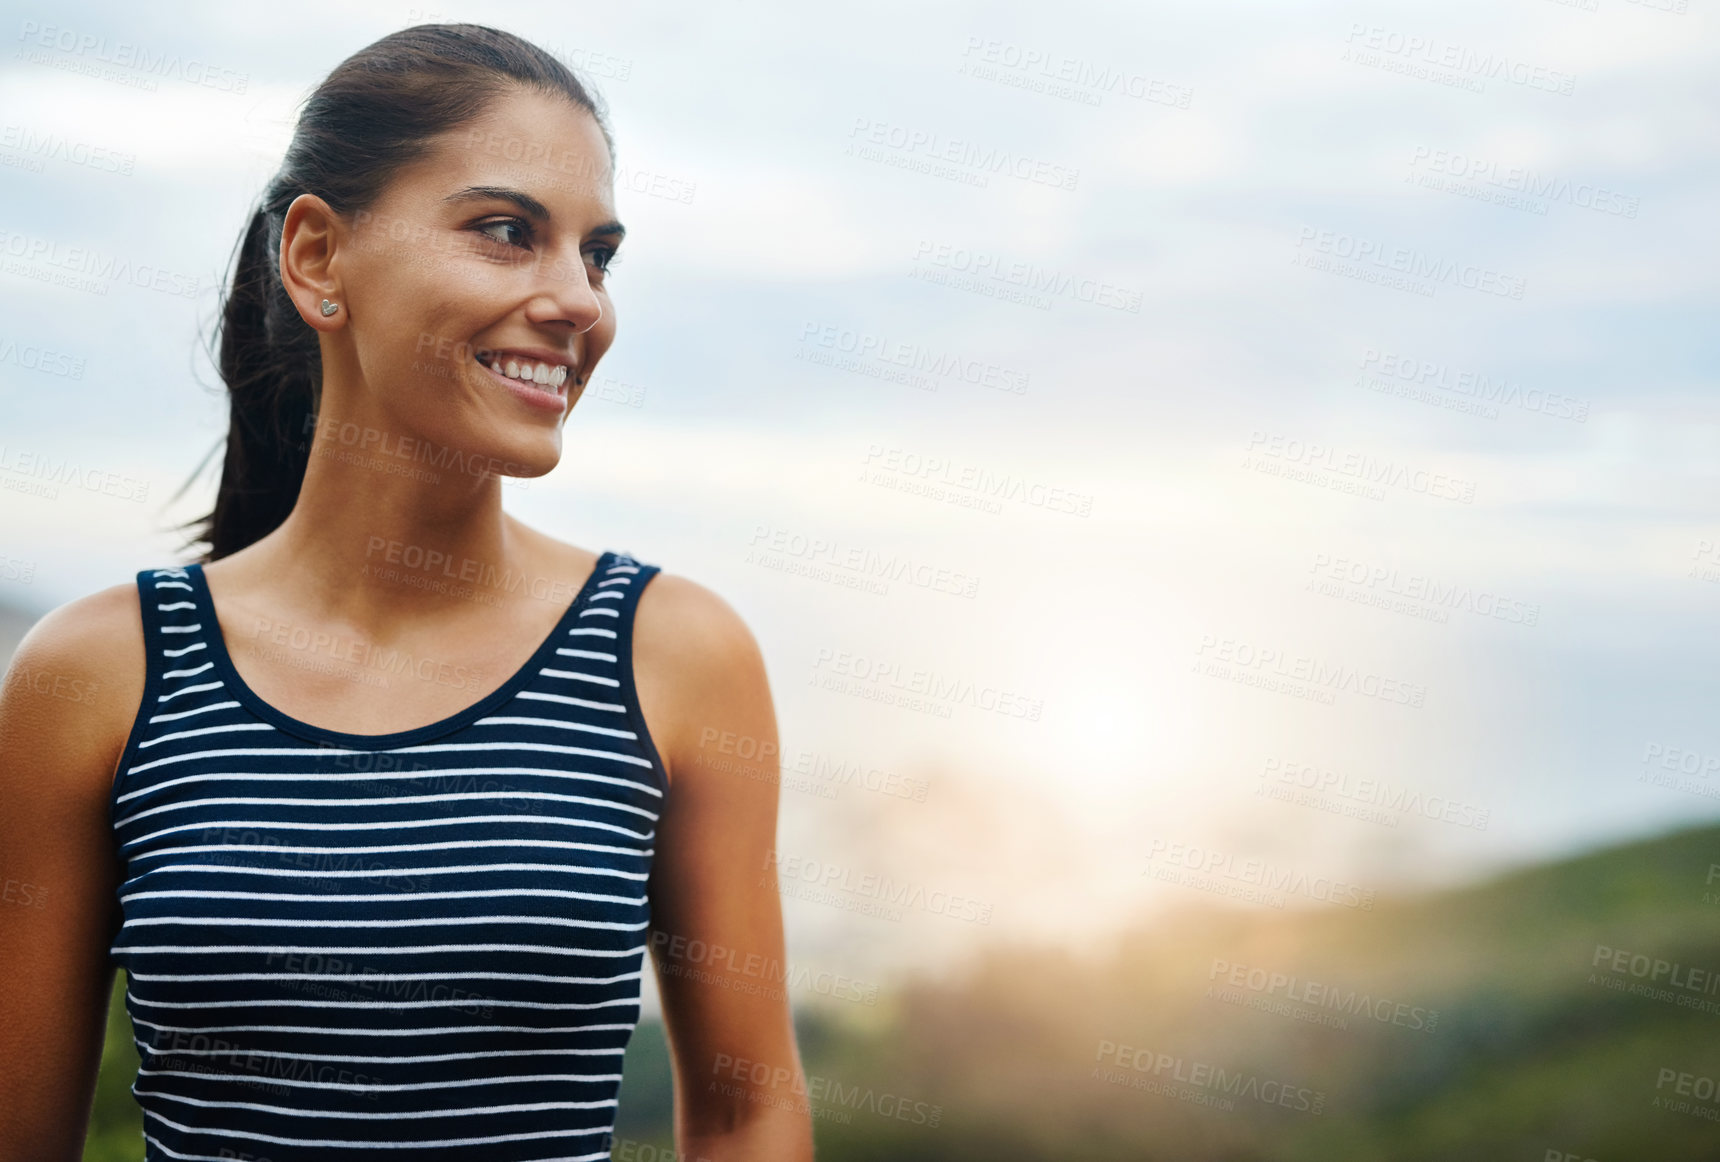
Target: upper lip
531	354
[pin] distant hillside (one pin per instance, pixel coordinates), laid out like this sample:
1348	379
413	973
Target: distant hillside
1564	1010
1471	1025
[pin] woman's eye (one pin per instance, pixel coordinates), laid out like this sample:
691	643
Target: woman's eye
524	235
603	259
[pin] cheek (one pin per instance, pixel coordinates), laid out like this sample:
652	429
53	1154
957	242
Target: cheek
407	294
416	341
443	269
430	305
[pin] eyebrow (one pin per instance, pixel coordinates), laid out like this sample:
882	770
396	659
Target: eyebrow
526	203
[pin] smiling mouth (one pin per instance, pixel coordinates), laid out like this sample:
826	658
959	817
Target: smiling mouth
550	378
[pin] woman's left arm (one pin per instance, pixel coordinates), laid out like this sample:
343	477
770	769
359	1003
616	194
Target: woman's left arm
716	915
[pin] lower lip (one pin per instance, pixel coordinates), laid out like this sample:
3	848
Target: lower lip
551	400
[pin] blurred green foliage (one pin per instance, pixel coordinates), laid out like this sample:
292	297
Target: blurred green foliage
116	1124
1530	1053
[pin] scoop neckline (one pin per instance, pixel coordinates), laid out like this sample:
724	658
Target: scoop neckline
286	722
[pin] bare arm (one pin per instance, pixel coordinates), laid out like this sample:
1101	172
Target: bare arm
717	939
66	706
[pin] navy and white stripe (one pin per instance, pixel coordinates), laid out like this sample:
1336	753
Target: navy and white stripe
424	945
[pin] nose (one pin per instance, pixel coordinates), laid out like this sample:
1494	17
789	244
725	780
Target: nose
565	295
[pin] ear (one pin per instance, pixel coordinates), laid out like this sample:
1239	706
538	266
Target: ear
310	238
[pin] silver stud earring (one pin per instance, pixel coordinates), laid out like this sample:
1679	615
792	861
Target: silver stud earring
329	308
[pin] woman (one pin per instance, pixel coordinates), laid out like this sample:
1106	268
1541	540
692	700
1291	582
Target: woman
380	802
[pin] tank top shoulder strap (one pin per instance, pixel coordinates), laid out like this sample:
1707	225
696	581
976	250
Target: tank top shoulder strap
607	616
178	671
177	639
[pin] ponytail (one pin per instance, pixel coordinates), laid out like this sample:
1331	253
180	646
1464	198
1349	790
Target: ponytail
272	365
374	113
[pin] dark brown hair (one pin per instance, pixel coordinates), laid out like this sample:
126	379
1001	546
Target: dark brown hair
375	113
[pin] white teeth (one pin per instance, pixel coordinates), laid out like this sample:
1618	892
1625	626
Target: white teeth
543	374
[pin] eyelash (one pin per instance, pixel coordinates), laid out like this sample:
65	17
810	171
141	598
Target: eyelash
608	255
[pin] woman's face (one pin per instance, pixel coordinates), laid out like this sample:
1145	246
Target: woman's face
473	289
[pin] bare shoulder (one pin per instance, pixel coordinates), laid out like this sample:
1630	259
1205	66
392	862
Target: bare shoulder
74	686
680	619
697	667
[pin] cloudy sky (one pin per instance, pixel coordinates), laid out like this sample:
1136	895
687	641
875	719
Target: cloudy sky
1286	430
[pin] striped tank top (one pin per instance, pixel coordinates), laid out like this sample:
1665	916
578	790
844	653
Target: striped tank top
424	945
